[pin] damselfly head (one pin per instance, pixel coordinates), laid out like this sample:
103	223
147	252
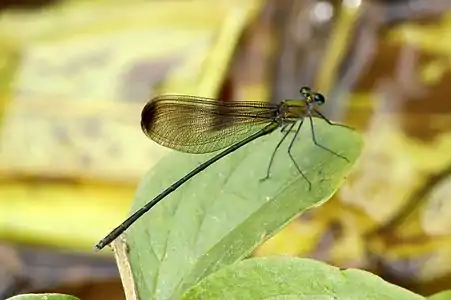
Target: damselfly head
312	97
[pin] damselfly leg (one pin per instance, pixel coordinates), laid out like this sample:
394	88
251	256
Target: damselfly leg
285	134
286	129
292	158
314	136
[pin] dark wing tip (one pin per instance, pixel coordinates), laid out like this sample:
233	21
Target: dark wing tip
147	116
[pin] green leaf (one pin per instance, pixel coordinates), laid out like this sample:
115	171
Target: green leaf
43	297
445	295
225	212
294	278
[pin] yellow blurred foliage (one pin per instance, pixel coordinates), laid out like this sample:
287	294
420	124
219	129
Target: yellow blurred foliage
75	78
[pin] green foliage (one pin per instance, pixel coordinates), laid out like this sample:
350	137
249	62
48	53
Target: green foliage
294	278
221	215
445	295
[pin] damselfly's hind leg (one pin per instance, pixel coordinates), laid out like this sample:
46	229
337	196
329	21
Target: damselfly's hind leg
271	160
292	158
314	136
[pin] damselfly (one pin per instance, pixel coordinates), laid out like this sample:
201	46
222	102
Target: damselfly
201	125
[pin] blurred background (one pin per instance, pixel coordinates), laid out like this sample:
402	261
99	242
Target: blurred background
74	76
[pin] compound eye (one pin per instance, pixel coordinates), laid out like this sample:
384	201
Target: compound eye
305	90
319	99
